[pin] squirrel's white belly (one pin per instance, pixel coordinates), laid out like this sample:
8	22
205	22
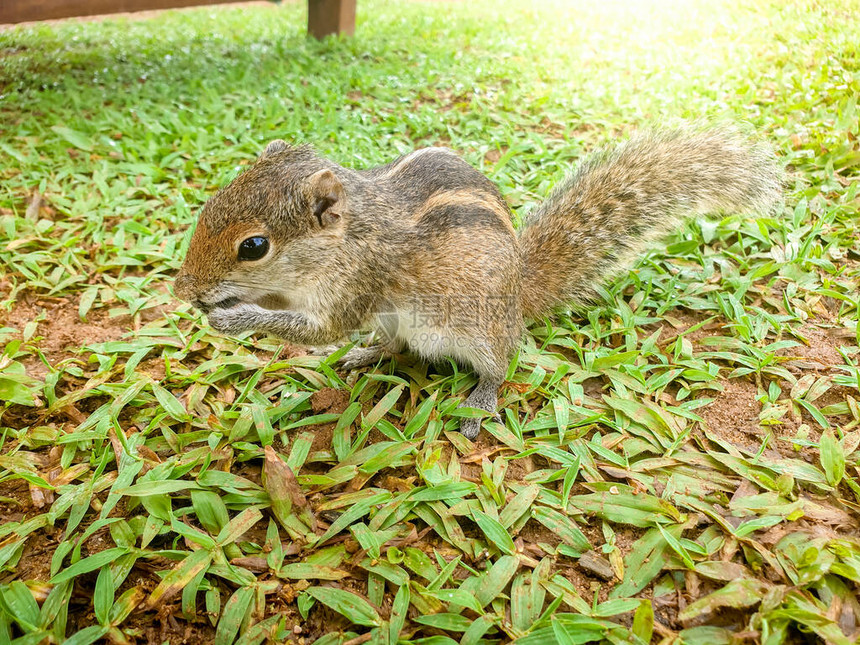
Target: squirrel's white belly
430	341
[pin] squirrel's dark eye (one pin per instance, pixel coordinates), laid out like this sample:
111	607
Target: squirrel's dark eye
253	248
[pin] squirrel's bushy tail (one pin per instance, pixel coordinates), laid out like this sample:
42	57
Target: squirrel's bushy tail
619	200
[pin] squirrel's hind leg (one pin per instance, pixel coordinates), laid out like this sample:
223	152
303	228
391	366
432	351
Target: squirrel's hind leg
487	359
485	396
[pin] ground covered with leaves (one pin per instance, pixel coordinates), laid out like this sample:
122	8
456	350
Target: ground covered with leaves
677	465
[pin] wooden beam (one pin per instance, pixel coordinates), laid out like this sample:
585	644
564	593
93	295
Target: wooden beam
28	10
331	17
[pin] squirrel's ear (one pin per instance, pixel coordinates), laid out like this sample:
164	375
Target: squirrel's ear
327	197
278	145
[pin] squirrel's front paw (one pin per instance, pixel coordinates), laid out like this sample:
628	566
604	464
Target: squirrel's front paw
234	320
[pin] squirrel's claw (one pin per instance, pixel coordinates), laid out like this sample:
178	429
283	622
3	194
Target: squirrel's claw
470	428
362	356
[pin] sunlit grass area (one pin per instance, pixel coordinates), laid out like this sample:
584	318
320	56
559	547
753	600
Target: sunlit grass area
678	464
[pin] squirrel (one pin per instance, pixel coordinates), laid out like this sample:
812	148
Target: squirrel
423	249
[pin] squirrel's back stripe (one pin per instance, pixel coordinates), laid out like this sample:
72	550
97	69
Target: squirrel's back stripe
402	164
470	203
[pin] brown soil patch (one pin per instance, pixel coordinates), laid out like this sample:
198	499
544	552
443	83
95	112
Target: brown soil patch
585	583
837	394
326	401
60	332
35	563
35	560
821	351
733	415
329	400
680	322
518	469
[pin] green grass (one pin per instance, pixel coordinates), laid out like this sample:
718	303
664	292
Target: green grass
678	465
